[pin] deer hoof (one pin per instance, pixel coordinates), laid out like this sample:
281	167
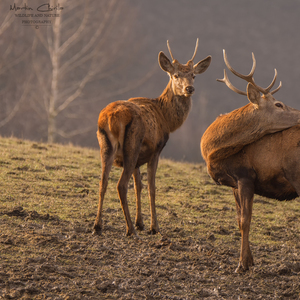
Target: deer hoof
153	231
139	226
241	269
97	230
130	232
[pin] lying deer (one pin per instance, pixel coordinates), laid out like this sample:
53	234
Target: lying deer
255	150
134	132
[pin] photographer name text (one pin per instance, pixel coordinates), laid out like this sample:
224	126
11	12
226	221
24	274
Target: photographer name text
42	11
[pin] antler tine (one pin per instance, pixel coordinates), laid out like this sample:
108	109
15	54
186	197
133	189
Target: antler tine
170	50
196	48
273	82
277	89
248	77
229	84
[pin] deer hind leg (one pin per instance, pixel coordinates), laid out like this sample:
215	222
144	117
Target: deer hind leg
133	137
151	169
138	189
244	202
107	158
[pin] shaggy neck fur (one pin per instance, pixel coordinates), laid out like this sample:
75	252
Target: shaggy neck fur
229	133
175	108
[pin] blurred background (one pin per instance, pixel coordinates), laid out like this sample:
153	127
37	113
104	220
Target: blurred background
56	76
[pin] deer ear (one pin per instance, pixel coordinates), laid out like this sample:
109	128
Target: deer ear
165	63
253	94
202	65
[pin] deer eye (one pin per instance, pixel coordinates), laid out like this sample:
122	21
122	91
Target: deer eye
176	76
193	76
279	105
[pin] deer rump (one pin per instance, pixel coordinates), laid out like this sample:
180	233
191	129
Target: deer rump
271	165
122	118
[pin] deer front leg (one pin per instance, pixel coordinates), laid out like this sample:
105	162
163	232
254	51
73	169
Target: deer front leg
138	189
151	170
244	202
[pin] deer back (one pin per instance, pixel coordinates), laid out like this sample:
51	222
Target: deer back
229	133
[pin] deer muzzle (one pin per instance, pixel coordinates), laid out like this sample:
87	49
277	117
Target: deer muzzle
190	89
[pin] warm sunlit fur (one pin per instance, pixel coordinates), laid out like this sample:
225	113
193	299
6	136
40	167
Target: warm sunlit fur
134	132
255	150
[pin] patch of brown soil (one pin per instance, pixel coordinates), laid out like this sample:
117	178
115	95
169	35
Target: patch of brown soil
44	257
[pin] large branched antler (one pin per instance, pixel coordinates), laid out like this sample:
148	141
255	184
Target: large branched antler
248	78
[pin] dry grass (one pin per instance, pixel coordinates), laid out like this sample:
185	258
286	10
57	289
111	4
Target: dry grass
48	203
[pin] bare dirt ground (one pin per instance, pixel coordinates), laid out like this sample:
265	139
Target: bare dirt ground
63	260
49	252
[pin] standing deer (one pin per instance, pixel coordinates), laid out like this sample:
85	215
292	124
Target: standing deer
255	150
134	132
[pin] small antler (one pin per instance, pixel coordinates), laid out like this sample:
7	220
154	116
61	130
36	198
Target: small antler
272	83
277	89
196	48
248	78
170	50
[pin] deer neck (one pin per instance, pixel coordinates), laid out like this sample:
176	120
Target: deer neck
175	108
229	133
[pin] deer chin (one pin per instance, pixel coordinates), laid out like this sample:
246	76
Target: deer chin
277	129
187	95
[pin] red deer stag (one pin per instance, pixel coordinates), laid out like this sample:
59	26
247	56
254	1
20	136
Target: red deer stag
255	150
134	132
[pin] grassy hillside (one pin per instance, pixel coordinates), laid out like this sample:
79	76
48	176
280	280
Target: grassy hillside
48	202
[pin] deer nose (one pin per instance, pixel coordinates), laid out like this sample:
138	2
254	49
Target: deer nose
190	89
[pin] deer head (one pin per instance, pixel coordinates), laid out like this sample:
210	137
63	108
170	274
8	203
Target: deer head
274	115
182	76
